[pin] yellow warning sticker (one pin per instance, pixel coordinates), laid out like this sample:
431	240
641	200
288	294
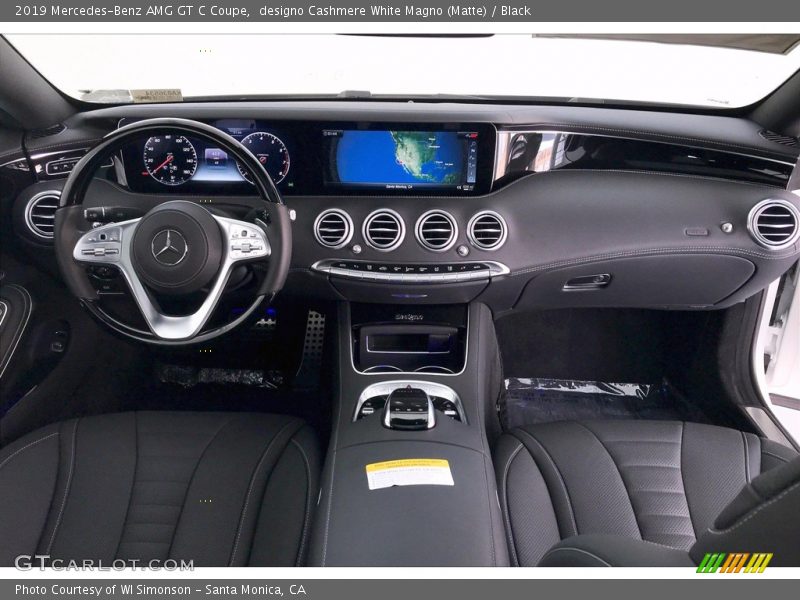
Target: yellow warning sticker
409	471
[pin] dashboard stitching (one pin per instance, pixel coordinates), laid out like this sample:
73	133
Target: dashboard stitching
77	144
652	251
766	187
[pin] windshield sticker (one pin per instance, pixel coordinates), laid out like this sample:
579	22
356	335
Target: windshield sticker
156	95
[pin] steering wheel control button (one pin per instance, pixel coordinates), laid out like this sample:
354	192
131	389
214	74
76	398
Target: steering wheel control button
247	243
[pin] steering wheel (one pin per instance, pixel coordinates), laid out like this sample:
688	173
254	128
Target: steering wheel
178	249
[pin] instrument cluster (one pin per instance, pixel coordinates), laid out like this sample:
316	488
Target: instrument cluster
169	161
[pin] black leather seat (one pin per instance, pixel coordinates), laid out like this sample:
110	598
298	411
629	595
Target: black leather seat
216	488
642	492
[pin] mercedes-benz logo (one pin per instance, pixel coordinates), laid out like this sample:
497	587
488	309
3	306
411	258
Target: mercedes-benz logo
169	247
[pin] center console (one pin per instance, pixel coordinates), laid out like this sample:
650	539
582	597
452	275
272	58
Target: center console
409	479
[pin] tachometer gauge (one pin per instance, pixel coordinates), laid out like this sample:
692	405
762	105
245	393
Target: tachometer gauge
270	152
170	159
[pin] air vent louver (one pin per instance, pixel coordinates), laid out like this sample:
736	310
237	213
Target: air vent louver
437	230
333	228
384	230
778	138
774	224
40	213
487	230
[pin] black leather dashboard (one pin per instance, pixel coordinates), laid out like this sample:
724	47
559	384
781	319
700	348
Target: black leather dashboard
674	236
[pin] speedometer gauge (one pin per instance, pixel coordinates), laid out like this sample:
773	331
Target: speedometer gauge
170	159
270	152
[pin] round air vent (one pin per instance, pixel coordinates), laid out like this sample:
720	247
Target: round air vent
774	224
333	228
40	213
384	230
437	230
487	230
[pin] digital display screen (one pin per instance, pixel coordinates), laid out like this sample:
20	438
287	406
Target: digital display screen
402	160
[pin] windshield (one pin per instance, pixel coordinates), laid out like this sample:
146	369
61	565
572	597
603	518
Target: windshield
102	68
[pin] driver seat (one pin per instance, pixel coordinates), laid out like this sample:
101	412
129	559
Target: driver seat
221	489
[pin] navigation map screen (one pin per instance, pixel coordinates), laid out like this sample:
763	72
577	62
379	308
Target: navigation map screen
402	160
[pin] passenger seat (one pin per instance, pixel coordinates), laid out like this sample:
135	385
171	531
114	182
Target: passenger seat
638	493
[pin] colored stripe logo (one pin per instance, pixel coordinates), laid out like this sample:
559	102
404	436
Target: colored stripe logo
736	562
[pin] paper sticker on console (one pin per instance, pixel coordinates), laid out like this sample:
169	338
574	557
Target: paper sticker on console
411	471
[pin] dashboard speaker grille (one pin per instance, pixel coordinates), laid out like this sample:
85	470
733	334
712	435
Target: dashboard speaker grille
333	228
437	230
47	131
487	230
774	224
785	140
40	213
384	230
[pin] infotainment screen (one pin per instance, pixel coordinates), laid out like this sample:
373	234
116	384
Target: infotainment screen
402	160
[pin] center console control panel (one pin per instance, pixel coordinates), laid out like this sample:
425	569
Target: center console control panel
409	408
409	400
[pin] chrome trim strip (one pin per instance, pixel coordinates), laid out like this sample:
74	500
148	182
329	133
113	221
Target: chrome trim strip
496	269
22	329
41	155
12	161
384	388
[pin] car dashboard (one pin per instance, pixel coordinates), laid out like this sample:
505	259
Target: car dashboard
518	206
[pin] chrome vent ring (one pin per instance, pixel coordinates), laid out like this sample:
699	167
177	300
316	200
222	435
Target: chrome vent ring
333	228
436	230
40	213
774	223
487	230
384	230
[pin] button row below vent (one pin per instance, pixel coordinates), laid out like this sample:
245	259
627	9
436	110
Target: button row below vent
411	273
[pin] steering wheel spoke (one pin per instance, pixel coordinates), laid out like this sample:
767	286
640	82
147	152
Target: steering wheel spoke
112	245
